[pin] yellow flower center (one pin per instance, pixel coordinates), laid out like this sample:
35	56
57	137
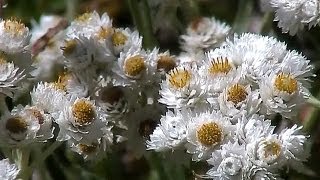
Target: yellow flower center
166	63
83	112
271	149
119	39
16	125
87	149
111	95
14	27
209	134
146	128
237	93
83	17
69	47
285	82
219	65
134	66
105	32
62	81
179	78
3	58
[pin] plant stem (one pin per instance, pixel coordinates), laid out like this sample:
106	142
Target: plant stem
46	153
312	119
241	21
23	159
266	23
140	13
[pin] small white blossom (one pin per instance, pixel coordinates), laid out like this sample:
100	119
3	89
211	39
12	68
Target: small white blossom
8	171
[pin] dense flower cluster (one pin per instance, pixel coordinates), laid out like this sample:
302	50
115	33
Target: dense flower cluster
212	101
293	15
220	107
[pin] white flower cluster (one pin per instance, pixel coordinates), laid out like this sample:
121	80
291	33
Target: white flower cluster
293	15
104	88
219	109
105	92
8	171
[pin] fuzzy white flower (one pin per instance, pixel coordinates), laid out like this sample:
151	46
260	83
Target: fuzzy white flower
293	15
125	39
14	36
10	76
207	132
230	162
88	24
183	87
49	97
134	68
163	62
203	34
18	129
81	120
9	171
171	133
277	151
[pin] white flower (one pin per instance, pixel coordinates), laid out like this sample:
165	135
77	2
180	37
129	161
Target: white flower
206	133
10	76
81	120
229	162
14	36
46	129
125	39
203	34
253	127
183	87
134	68
163	62
281	92
293	15
257	55
49	97
88	24
8	171
239	98
170	134
18	128
276	151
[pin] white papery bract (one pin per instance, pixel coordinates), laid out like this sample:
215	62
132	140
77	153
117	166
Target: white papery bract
10	76
49	97
14	36
282	93
88	24
229	162
81	120
124	39
8	171
171	133
183	87
278	151
204	33
293	15
18	129
207	132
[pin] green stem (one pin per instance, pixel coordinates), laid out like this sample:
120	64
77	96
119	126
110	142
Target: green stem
23	158
266	23
71	9
45	154
140	13
244	11
312	118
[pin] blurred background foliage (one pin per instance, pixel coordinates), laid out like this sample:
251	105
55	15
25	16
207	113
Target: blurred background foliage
168	19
